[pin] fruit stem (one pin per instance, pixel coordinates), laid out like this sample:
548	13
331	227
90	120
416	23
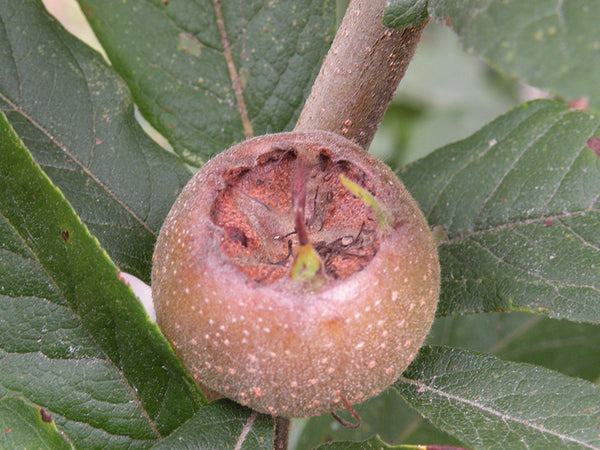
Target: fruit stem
282	431
359	75
299	183
307	262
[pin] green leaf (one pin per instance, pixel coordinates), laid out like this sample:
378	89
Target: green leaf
222	424
23	425
551	44
375	443
386	415
404	13
211	73
519	201
489	403
73	338
76	117
564	346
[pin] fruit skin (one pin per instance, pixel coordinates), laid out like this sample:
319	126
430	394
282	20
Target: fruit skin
281	349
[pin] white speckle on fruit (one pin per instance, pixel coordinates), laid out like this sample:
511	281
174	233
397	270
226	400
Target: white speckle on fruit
371	364
389	370
360	345
313	381
330	370
257	392
231	371
407	343
226	342
380	322
294	384
395	295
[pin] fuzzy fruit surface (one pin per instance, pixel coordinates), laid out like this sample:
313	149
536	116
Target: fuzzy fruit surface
294	272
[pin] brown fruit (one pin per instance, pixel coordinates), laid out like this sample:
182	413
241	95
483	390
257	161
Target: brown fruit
295	273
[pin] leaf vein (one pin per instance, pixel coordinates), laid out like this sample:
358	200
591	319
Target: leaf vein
506	418
233	74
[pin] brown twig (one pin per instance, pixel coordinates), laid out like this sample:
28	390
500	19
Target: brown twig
282	431
359	75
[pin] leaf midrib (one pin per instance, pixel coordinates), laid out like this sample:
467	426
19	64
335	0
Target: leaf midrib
80	164
50	277
34	255
236	83
517	223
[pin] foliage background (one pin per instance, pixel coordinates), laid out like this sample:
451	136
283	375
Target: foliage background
446	96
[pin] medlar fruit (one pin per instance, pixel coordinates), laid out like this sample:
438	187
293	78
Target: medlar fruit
295	274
